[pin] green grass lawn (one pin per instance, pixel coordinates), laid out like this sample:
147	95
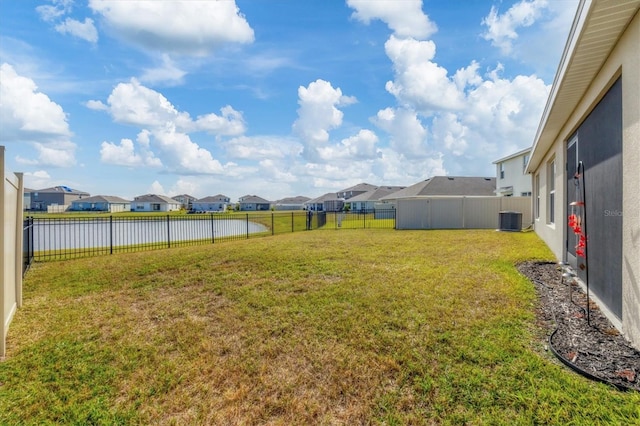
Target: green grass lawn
322	327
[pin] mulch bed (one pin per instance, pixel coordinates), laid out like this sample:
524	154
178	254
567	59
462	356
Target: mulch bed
598	349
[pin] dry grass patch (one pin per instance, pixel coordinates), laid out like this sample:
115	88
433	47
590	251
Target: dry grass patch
322	327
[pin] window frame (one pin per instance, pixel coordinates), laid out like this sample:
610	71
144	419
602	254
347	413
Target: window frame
551	191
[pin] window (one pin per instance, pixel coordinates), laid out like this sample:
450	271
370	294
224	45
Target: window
525	194
525	160
501	170
551	188
537	200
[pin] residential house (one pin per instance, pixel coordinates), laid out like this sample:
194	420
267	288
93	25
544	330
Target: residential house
253	203
101	203
154	203
291	203
582	181
511	176
447	185
215	203
358	189
367	201
26	199
328	202
58	196
185	200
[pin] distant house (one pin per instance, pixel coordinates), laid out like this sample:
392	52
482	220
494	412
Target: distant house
291	203
447	185
101	203
358	189
253	203
214	203
26	203
366	202
511	178
585	159
328	202
59	196
154	203
185	200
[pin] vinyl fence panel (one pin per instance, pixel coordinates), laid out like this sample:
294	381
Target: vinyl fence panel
447	213
413	214
458	212
11	200
482	212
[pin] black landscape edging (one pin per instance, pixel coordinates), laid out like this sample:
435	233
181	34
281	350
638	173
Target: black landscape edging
584	372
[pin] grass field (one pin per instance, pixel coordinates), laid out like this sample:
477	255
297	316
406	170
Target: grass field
322	327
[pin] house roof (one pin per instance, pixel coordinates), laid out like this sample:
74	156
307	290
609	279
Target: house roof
155	198
361	187
253	199
321	199
213	199
597	27
60	189
111	199
377	193
448	185
514	155
299	199
185	197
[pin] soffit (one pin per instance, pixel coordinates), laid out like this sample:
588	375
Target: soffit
596	30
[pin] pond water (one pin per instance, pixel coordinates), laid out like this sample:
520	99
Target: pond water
102	232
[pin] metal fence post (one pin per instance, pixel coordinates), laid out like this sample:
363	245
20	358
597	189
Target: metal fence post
168	232
111	234
292	227
213	238
273	229
247	225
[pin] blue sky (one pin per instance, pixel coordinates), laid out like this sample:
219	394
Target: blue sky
273	98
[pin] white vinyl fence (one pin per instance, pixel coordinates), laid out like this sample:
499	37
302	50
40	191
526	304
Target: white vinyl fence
458	212
11	199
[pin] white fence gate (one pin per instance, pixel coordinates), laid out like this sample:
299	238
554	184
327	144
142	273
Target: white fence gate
11	199
459	212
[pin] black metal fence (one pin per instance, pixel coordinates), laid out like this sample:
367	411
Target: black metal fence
59	238
27	244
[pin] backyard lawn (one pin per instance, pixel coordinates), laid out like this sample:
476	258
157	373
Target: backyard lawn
316	327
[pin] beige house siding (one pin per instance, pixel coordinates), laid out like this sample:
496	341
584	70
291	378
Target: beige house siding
11	199
511	179
623	61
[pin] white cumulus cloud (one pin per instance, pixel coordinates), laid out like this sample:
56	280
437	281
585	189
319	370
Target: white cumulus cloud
405	18
195	27
165	131
318	114
407	133
168	72
362	146
37	180
28	115
419	81
124	154
84	30
260	147
135	104
502	29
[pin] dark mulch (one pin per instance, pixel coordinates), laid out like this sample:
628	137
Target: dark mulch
598	349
